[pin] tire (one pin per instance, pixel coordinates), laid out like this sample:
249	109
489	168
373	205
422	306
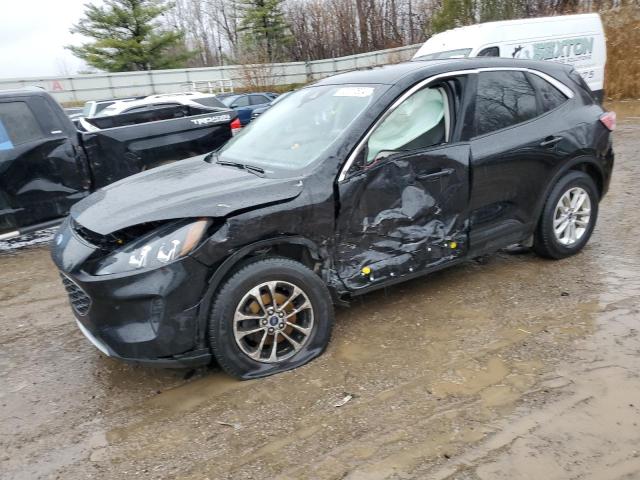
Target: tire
546	242
234	302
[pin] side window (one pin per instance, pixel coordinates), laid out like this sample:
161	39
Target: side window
209	102
241	101
489	52
18	125
550	96
504	98
419	122
143	108
259	99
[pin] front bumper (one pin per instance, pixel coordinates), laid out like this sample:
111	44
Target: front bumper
194	358
149	317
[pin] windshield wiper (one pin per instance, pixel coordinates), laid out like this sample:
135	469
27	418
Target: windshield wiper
257	170
249	168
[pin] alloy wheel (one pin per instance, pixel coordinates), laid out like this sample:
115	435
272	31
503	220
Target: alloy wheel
572	216
273	321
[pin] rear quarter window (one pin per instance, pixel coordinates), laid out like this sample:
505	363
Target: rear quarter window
209	102
503	99
259	99
550	97
18	125
240	101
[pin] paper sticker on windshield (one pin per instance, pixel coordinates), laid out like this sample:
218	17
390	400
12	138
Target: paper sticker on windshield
354	92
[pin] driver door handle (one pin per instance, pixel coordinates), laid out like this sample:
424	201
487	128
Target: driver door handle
435	175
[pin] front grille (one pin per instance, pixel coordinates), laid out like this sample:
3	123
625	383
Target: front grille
80	301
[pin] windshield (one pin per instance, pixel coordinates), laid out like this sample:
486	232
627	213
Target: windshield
459	53
296	131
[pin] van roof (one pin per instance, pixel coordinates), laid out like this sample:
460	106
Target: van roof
582	18
485	34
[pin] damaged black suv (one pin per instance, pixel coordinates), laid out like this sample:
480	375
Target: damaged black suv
357	182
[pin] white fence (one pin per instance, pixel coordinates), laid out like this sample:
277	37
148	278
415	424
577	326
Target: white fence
114	85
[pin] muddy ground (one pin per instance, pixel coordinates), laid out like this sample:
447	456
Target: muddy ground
510	368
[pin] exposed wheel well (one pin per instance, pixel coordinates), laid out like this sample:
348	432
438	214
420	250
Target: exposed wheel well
593	172
294	250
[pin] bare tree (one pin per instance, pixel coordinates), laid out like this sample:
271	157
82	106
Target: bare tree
331	28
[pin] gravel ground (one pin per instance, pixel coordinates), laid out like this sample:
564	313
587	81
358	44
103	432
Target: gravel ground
513	367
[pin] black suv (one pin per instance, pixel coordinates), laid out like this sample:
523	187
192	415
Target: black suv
357	182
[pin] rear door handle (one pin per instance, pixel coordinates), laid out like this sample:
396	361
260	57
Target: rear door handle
433	176
550	141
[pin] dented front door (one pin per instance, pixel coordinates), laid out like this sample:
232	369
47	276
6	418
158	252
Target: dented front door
403	215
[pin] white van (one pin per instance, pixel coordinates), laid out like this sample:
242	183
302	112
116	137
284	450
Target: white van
574	39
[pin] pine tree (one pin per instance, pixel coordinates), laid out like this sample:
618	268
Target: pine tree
453	13
263	27
127	36
492	10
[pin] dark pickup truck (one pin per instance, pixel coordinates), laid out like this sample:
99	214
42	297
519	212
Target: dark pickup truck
48	163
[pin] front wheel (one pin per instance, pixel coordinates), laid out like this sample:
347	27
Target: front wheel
272	315
568	218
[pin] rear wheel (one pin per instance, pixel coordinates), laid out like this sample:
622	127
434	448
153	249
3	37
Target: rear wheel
568	218
272	315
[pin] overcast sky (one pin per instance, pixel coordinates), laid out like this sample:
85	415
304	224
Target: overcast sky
33	34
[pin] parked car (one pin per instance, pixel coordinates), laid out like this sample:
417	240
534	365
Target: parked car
260	110
94	107
162	101
577	40
361	181
245	104
47	165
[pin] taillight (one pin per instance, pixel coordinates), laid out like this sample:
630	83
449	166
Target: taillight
608	119
235	126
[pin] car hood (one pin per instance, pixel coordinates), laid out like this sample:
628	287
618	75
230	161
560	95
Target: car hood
186	189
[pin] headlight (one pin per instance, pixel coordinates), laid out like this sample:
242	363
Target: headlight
155	249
